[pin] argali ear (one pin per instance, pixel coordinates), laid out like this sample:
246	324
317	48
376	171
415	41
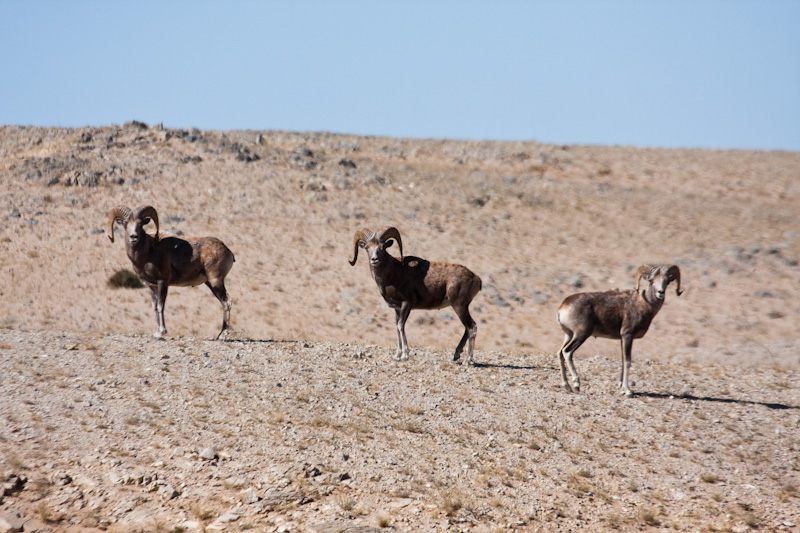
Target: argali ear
145	221
362	244
388	243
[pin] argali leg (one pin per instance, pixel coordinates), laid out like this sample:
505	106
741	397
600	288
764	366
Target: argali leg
627	344
562	363
473	332
470	332
402	343
572	341
158	294
218	290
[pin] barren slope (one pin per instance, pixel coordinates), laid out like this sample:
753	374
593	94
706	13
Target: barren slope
711	441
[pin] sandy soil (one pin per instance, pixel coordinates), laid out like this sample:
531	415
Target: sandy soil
710	441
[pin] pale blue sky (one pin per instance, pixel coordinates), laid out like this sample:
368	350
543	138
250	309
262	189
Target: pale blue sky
700	73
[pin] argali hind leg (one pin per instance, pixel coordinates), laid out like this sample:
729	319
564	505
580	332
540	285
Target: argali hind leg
218	290
571	343
470	332
562	363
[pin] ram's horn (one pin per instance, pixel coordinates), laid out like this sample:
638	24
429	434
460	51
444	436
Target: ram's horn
361	235
118	214
646	271
390	232
676	272
148	211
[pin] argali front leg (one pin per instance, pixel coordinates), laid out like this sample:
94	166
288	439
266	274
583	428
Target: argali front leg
402	343
473	332
158	294
627	344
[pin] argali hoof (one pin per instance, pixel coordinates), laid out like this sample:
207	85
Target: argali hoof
159	335
566	386
224	335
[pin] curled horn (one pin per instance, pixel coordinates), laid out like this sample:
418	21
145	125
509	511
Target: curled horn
119	213
675	271
361	235
148	211
644	270
390	232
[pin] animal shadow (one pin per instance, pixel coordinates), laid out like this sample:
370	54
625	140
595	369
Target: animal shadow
510	367
768	405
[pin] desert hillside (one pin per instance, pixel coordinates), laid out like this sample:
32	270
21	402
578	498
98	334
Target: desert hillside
306	422
536	222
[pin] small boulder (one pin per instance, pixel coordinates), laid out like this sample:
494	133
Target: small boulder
12	521
249	496
209	454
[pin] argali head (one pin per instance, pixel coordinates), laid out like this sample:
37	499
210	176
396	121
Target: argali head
133	222
659	277
376	243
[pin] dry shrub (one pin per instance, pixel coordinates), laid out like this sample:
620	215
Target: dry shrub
125	279
648	517
452	502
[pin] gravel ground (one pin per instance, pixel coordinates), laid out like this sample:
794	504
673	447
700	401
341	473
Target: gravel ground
129	433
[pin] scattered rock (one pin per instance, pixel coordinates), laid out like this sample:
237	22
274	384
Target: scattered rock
12	484
479	201
209	454
60	478
168	492
248	496
222	522
12	521
540	297
79	178
244	154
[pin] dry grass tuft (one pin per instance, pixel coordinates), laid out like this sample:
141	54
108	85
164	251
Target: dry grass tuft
452	501
648	517
125	279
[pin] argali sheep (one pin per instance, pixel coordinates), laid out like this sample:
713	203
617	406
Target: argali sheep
162	261
413	283
614	314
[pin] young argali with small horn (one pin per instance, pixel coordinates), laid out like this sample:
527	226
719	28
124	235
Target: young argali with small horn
161	261
614	314
414	283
